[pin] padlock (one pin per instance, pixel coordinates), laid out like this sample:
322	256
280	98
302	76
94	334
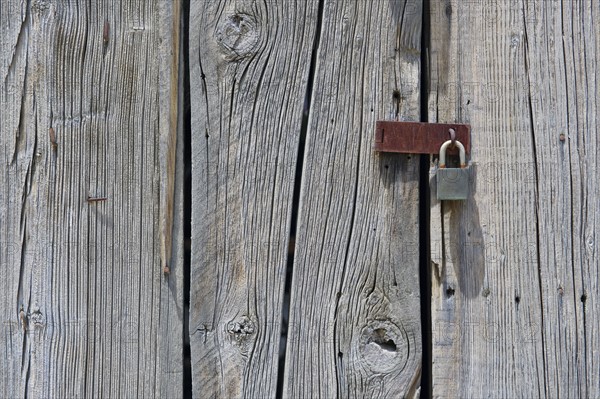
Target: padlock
452	183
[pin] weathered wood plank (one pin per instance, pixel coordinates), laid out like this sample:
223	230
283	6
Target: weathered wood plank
515	268
86	110
354	315
249	68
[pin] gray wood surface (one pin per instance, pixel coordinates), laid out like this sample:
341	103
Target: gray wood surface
88	117
515	268
354	315
91	199
249	65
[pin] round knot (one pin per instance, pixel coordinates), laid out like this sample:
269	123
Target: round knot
240	329
384	346
237	34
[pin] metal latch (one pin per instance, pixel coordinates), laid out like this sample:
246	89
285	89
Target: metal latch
418	137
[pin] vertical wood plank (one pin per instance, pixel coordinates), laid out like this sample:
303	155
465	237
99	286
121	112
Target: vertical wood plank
86	110
515	276
355	328
249	65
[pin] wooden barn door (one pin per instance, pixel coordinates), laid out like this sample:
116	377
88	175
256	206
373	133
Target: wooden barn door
278	87
308	249
514	269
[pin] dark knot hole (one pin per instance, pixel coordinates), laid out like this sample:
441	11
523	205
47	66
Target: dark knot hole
380	338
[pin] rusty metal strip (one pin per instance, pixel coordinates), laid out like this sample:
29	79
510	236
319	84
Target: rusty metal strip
418	137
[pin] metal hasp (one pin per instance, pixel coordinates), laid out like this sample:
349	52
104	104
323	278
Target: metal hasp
418	137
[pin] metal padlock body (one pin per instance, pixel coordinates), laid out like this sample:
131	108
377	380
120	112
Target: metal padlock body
452	183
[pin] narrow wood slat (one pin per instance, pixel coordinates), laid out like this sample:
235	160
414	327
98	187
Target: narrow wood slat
515	268
355	328
249	65
88	108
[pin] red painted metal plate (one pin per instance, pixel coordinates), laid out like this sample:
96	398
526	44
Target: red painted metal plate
418	137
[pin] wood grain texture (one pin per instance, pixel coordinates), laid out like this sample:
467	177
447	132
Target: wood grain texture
87	117
249	66
515	268
354	315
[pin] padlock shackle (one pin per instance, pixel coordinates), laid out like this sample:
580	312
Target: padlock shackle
461	153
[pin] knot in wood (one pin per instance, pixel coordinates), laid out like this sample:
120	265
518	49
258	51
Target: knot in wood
40	6
241	328
384	346
238	36
36	318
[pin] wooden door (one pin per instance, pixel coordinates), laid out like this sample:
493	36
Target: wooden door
354	320
316	267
